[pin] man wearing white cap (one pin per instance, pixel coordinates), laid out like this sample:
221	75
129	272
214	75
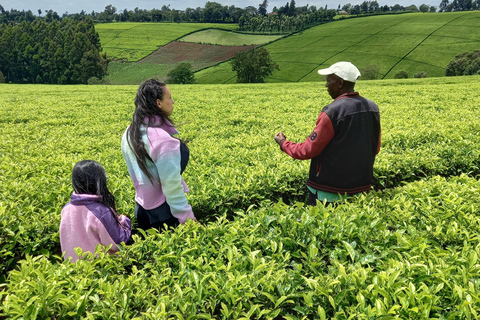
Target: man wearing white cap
344	142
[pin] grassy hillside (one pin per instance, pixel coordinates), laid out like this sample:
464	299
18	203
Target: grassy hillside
417	42
158	64
228	38
133	41
148	50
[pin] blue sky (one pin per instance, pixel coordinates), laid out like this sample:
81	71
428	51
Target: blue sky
75	6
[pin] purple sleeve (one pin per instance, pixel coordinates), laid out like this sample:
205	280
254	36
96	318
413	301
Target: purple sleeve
118	231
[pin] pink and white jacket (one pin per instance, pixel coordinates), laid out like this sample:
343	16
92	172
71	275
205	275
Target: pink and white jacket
164	150
86	222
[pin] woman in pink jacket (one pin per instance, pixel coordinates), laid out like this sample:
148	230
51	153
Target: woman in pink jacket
90	218
156	159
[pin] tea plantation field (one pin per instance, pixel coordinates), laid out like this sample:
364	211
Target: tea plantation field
409	249
133	41
228	38
414	42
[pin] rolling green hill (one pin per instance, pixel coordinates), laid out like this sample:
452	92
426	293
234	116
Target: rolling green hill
133	41
146	50
228	38
416	42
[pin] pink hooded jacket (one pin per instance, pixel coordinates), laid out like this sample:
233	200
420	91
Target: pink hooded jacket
86	222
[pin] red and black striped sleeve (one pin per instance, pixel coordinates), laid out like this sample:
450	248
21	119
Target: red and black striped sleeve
315	143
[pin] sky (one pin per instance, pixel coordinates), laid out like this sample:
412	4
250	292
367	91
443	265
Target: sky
75	6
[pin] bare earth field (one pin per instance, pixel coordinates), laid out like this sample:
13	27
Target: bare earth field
199	55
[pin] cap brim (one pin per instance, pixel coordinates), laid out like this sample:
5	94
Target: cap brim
325	72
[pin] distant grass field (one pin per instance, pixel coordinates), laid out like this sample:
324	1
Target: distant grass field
120	73
417	42
159	64
227	38
133	41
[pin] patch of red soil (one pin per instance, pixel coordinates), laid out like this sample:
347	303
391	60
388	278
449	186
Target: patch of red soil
199	55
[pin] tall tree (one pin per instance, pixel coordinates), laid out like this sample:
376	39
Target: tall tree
467	63
443	5
51	52
262	8
291	9
253	66
423	8
182	74
214	12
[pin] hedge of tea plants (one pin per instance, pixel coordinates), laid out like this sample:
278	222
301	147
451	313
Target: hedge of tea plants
407	250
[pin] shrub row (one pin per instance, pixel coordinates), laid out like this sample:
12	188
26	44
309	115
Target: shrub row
428	129
409	252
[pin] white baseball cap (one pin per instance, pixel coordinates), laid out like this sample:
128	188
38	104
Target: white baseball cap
345	70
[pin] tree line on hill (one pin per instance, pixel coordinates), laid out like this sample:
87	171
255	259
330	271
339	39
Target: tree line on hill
65	52
214	12
372	7
459	5
283	23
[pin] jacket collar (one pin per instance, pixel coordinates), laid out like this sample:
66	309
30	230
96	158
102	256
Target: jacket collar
84	199
347	95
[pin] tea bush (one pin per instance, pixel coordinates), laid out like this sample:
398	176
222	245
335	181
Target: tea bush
409	249
402	74
421	74
409	252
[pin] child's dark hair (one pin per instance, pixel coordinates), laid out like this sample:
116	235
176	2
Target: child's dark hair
89	177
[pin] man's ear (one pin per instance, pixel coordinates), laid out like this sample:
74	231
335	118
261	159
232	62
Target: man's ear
341	83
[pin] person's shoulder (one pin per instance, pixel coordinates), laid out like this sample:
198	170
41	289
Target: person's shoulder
371	103
102	211
72	212
158	132
333	105
69	207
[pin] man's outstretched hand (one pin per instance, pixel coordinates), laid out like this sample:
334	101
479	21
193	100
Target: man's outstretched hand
279	138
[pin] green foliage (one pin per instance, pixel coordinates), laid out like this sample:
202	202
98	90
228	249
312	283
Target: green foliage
96	81
182	73
401	75
253	66
40	52
227	38
2	77
420	75
285	23
370	72
132	41
424	8
430	43
212	13
467	63
412	8
409	249
121	73
409	253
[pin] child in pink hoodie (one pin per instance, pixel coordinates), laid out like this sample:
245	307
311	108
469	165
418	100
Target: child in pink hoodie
90	218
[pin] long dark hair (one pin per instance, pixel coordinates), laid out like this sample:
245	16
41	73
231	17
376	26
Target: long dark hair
146	109
89	177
